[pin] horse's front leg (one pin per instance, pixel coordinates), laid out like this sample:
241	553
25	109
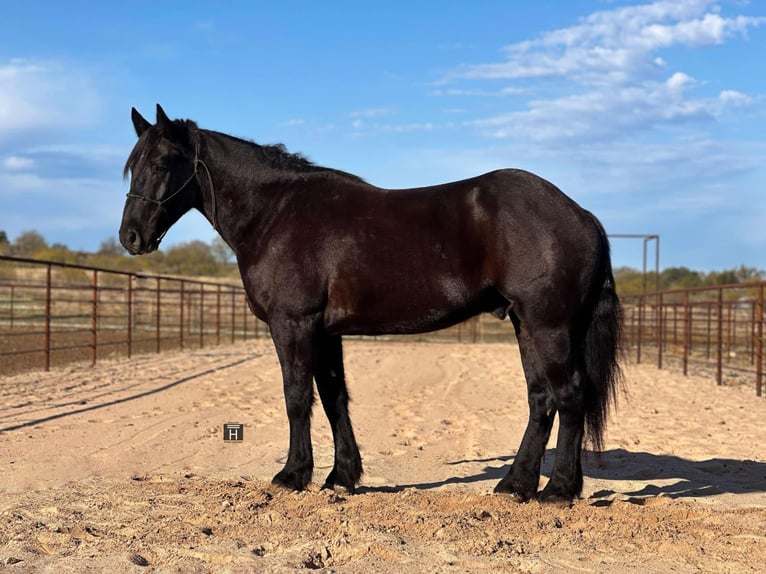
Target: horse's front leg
294	341
331	382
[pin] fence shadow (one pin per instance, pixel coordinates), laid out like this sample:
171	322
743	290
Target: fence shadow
125	399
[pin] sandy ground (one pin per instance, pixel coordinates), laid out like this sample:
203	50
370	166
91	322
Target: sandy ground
122	468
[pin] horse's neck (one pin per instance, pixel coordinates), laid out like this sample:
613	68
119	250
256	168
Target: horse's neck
234	202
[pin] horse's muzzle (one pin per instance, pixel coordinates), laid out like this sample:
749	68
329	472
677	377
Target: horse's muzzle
135	244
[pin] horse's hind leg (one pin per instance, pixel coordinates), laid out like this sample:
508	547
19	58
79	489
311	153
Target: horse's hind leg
566	477
331	382
557	355
524	475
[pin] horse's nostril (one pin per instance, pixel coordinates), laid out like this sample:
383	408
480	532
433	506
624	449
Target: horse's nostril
133	238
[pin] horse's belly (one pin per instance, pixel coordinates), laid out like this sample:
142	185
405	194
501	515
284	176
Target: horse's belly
398	310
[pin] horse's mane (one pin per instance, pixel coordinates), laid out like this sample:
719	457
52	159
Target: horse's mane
275	156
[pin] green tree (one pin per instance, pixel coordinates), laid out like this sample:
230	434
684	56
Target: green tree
221	251
722	277
5	244
679	277
59	253
28	244
111	246
745	274
192	258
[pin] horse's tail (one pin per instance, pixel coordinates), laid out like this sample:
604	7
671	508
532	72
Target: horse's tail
600	349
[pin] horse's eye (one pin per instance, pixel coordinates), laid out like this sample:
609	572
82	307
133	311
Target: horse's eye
159	168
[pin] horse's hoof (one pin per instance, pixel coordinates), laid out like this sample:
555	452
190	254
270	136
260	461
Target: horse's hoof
291	481
514	493
515	496
339	488
334	483
555	498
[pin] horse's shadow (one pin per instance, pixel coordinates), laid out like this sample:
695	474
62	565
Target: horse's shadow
635	474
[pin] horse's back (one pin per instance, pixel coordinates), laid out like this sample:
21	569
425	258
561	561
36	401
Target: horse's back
412	260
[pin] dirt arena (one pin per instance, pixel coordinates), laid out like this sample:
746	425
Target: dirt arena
123	468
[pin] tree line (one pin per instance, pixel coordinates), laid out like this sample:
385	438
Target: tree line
192	258
197	258
629	280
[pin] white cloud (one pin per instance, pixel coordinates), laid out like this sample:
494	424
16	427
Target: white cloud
43	95
503	92
363	129
599	115
679	81
17	163
616	44
616	83
734	98
371	112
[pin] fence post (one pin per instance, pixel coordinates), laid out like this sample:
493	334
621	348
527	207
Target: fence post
94	320
719	340
640	330
759	346
233	309
181	313
245	311
218	316
130	316
660	329
201	316
687	332
159	318
753	331
48	318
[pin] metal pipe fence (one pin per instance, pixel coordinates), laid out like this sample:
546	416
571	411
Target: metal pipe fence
53	314
716	331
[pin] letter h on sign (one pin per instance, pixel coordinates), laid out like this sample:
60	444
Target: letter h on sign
233	432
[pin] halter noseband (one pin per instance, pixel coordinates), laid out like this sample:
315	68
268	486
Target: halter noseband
161	202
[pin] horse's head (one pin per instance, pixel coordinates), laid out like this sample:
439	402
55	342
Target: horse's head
163	183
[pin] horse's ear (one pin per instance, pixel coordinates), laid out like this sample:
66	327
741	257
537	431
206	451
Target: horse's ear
163	121
175	131
139	123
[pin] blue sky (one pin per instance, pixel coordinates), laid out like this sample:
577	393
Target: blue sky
649	114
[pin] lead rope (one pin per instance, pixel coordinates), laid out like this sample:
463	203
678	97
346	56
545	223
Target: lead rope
213	199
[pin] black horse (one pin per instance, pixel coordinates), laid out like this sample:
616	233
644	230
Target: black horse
324	254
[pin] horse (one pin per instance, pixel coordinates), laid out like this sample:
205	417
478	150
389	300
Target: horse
323	254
